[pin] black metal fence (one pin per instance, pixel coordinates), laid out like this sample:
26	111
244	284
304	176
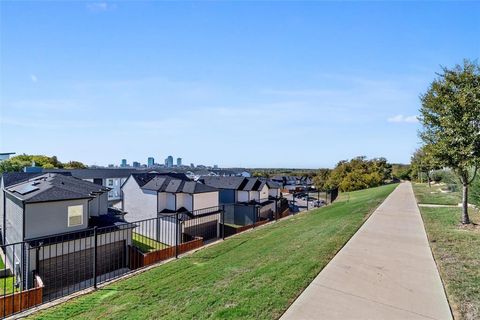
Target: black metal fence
44	269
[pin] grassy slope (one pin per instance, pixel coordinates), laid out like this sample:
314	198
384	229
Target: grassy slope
457	252
433	195
255	275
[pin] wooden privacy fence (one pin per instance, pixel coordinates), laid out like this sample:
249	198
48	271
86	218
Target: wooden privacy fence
139	259
230	230
16	302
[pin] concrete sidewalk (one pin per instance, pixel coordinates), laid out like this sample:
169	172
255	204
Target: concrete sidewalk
385	271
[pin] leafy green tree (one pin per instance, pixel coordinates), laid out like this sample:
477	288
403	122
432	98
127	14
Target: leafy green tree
359	173
382	167
401	171
321	179
17	163
423	161
74	165
450	115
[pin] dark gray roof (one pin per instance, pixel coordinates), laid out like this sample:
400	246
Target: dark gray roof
10	178
236	183
54	187
155	183
195	187
173	185
143	178
171	182
273	185
253	184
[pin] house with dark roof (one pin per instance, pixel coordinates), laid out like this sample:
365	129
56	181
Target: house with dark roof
40	208
293	183
112	178
255	190
167	195
243	190
274	188
228	187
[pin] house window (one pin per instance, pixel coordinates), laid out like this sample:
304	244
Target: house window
110	182
75	216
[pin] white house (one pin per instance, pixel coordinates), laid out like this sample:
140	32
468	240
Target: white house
274	189
168	196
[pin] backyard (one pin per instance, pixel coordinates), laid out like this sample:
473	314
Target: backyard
255	275
7	283
146	244
456	251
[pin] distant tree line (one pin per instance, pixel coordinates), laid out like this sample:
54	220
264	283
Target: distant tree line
17	163
355	174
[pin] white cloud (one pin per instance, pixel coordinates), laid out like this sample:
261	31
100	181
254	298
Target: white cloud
99	6
33	78
400	118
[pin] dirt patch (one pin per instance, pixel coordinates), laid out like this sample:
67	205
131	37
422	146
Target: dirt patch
469	227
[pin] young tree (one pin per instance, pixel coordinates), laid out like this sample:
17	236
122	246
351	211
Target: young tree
450	115
424	162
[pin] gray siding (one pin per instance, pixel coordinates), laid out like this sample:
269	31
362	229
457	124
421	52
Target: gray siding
98	205
239	214
227	196
14	219
49	218
14	233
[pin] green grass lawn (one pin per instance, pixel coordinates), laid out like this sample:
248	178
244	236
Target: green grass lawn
146	244
255	275
457	252
6	285
434	195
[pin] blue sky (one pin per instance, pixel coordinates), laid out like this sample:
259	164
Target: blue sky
255	84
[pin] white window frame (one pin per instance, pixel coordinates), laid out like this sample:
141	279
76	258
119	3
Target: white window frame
110	182
72	212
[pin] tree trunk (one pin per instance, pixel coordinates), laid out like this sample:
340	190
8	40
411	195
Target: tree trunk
429	181
465	218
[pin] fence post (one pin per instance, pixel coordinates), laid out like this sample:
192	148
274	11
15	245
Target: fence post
176	235
223	222
257	209
24	269
95	244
